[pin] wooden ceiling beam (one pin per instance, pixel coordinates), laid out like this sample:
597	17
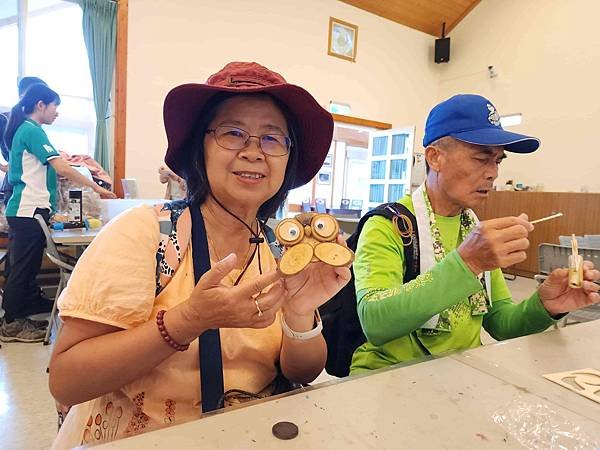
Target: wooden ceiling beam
423	15
362	122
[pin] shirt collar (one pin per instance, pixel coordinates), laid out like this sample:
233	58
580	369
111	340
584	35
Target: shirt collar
33	122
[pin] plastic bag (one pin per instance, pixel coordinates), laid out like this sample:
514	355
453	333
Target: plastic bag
536	426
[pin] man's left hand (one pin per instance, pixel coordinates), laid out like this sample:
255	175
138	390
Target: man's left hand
557	297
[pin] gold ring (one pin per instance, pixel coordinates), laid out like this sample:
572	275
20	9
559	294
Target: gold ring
260	313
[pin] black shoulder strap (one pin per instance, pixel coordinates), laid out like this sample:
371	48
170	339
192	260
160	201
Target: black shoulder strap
211	364
276	248
410	240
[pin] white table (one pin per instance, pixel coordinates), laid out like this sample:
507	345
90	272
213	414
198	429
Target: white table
522	362
75	237
110	209
442	403
113	207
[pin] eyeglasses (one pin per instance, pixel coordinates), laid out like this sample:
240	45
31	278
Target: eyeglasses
232	138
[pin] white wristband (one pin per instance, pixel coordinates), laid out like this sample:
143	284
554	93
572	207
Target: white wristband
303	335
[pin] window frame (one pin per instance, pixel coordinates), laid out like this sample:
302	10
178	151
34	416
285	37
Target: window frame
388	157
20	20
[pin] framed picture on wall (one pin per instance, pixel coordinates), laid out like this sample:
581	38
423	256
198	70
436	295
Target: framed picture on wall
342	39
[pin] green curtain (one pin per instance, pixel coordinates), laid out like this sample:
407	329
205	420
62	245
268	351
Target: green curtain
100	35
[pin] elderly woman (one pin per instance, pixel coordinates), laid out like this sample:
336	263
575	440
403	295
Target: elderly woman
129	356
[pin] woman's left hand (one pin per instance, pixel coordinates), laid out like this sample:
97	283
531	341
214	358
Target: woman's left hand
557	297
314	285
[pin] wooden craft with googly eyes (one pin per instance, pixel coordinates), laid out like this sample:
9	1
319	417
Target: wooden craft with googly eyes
310	237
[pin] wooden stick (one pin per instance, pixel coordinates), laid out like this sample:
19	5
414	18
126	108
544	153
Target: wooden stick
575	265
553	216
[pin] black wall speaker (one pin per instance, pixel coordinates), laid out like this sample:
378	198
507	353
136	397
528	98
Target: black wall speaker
442	50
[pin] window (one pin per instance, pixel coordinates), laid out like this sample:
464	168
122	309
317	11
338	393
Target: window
9	37
380	146
55	52
395	192
393	149
378	170
397	169
376	193
399	144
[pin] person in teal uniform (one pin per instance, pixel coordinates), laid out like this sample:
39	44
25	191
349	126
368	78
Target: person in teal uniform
460	287
34	163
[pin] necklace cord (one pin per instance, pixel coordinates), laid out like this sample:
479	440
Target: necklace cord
255	238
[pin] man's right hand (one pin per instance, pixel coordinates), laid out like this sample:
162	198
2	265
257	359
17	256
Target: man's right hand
496	243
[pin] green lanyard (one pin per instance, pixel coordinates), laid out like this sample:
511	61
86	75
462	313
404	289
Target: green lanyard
478	302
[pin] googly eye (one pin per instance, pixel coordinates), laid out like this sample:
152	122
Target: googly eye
324	227
289	232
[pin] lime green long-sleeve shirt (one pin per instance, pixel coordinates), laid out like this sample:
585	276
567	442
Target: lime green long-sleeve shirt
390	311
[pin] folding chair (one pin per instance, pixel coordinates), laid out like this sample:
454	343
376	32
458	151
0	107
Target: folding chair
356	204
321	205
65	264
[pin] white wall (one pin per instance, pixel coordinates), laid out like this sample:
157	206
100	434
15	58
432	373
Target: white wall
178	41
547	54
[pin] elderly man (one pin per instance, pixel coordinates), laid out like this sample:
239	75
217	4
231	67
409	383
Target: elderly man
460	286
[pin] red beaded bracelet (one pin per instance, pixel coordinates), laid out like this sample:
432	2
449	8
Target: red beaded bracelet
165	334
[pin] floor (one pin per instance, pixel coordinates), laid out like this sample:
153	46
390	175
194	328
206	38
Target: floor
27	413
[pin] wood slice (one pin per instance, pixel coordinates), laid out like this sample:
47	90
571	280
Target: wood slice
334	254
324	227
295	258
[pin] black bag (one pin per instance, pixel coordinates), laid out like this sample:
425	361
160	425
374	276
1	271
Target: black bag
341	326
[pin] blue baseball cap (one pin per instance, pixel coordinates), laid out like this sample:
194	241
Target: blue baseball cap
473	119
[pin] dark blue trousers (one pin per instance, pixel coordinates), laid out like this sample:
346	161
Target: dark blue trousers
26	250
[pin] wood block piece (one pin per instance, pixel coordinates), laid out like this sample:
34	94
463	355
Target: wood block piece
585	382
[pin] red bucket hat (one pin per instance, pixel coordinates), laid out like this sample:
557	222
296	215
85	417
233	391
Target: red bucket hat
314	124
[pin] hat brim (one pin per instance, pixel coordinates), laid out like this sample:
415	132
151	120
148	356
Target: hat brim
512	142
184	104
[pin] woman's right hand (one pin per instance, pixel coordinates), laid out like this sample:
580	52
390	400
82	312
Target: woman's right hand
213	305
